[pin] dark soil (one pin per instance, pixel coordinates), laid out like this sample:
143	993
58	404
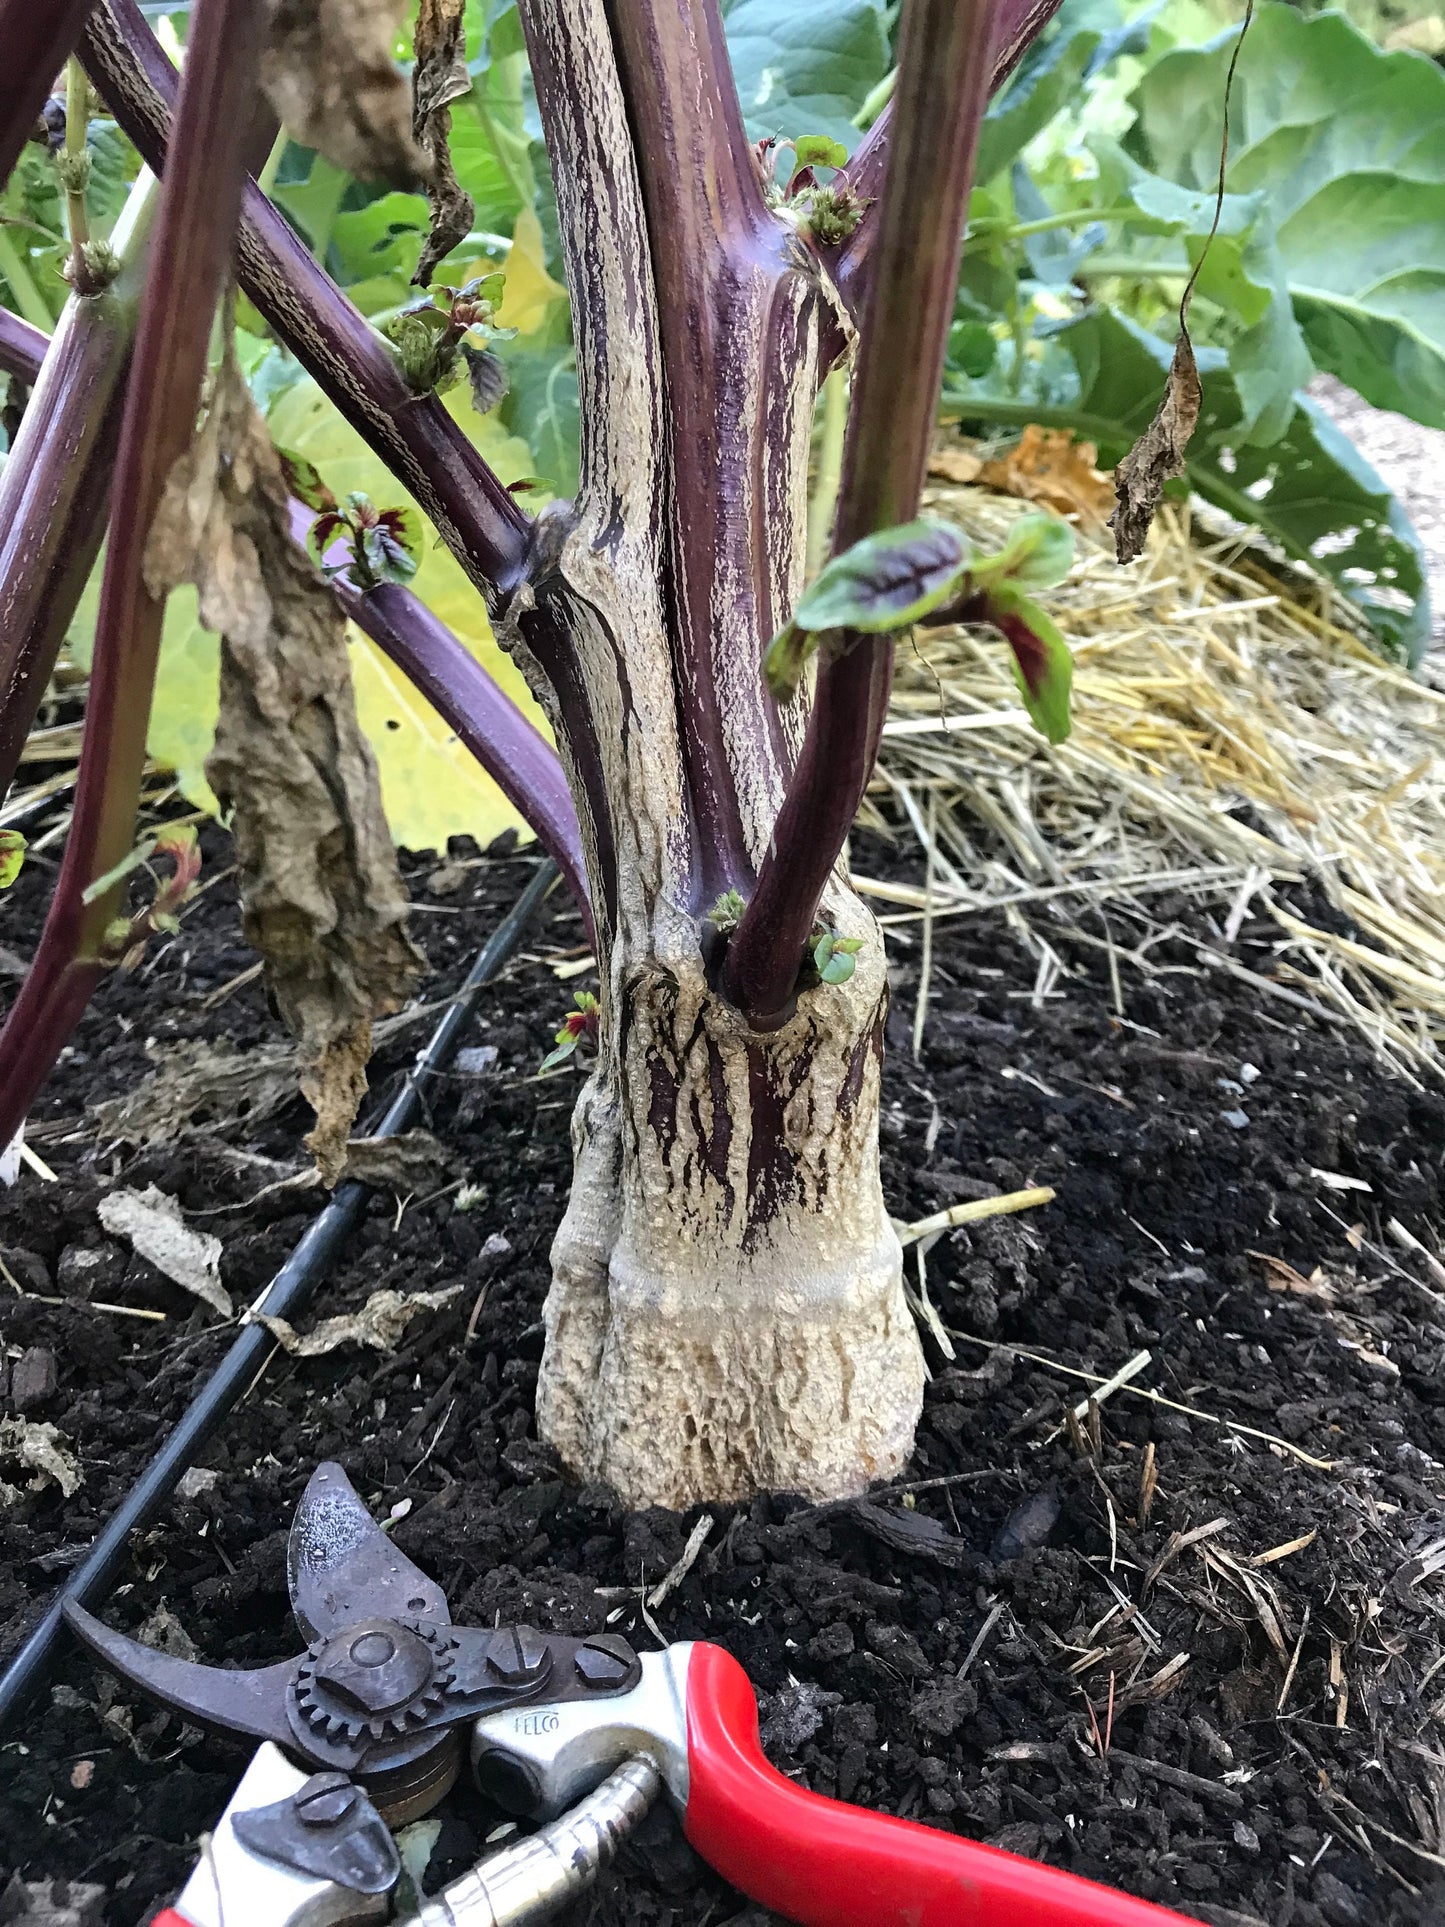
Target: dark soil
1244	1739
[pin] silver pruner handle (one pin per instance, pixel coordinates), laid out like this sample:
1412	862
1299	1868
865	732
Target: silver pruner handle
533	1879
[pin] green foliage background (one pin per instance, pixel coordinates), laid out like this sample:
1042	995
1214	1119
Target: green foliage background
1095	192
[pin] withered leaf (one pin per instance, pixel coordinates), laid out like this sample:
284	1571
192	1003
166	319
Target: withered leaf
322	897
381	1323
329	73
487	373
440	77
1158	455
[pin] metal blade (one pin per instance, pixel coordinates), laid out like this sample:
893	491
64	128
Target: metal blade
341	1566
245	1702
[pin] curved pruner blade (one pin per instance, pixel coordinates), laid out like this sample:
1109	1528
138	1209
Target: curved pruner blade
341	1566
251	1702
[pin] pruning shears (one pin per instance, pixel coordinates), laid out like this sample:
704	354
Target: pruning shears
370	1727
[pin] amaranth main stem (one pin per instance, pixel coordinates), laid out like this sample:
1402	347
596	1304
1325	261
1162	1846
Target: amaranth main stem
726	1311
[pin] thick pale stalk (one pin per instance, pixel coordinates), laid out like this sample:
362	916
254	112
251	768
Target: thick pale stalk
726	1311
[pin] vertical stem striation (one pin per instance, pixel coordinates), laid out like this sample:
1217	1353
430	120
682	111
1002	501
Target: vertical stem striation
190	260
734	300
944	71
55	488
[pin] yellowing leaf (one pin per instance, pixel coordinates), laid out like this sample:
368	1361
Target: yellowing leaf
431	786
530	292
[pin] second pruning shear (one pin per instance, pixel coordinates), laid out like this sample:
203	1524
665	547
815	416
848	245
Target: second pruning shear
371	1725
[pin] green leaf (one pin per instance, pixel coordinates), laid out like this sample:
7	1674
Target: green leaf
541	407
1038	554
1042	665
887	580
12	856
1344	142
1048	78
785	659
817	150
1311	490
566	1044
806	64
304	479
833	957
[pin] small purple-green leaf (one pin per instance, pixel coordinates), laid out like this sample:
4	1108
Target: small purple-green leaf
488	377
1043	666
303	478
566	1044
388	558
323	532
887	580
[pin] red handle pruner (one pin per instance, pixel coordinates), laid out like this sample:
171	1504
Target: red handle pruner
389	1696
816	1861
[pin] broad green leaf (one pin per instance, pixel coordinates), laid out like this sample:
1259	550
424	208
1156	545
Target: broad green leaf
1311	491
1048	78
541	407
183	715
1345	143
817	150
806	66
1042	665
887	580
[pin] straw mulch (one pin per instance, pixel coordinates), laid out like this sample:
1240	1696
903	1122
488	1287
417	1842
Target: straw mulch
1233	735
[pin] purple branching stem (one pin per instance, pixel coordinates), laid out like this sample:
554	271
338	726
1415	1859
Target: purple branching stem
944	73
38	36
189	263
55	488
1020	22
515	754
720	259
425	449
22	348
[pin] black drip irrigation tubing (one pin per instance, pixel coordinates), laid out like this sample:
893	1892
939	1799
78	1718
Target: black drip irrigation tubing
288	1294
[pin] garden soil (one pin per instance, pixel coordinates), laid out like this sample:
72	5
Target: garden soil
1149	1646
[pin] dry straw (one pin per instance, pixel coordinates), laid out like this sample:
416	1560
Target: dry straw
1232	734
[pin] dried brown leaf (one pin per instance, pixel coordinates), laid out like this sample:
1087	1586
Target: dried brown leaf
322	897
380	1323
329	73
406	1162
1158	455
440	77
34	1446
1047	465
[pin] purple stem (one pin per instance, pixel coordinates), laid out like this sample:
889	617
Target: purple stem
38	37
55	488
414	435
944	72
22	348
1020	22
518	758
714	246
190	260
